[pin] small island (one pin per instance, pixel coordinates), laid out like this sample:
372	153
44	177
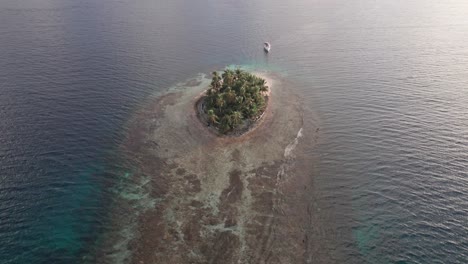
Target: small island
235	100
213	154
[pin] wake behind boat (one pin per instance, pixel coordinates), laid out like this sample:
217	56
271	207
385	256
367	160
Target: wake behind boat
266	46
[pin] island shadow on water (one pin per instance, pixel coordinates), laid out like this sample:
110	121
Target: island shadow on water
225	199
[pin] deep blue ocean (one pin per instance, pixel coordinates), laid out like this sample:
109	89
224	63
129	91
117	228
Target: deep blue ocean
387	79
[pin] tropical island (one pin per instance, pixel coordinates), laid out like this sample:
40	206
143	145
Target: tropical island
228	194
235	100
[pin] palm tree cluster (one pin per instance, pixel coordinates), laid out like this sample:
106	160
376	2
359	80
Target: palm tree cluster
234	97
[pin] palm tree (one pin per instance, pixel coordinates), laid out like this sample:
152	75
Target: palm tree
226	123
228	78
239	73
216	81
230	96
242	90
263	86
260	101
239	101
212	118
248	102
220	103
253	111
210	92
236	117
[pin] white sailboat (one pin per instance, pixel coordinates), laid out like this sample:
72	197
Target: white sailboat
266	46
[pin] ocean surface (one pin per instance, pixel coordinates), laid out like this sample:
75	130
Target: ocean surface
385	81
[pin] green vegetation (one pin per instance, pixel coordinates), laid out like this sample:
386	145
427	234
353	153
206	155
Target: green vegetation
233	98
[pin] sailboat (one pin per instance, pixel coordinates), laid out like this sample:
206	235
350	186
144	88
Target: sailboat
266	46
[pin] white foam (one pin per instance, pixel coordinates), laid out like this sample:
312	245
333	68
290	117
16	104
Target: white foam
291	146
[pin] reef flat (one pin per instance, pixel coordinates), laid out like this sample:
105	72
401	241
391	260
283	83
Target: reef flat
243	199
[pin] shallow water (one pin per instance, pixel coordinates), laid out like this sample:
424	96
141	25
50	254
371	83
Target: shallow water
385	82
222	199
